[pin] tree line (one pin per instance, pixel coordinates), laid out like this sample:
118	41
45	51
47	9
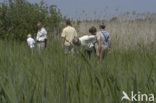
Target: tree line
19	17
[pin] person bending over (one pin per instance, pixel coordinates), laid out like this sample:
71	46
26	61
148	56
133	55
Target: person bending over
87	42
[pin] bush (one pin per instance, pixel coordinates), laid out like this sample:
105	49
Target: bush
19	17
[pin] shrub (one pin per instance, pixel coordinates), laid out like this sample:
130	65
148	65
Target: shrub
19	17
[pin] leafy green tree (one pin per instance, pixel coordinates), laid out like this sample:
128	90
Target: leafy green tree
19	17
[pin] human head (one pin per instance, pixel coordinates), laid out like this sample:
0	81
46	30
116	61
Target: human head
29	36
76	41
102	26
68	22
39	25
93	30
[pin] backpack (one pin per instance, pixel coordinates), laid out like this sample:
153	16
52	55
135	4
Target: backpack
106	38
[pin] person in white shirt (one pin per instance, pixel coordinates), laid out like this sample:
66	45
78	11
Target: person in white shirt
87	42
30	41
41	37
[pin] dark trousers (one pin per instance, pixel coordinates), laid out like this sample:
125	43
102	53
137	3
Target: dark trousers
90	52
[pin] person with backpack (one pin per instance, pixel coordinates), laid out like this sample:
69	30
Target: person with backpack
107	41
103	41
105	38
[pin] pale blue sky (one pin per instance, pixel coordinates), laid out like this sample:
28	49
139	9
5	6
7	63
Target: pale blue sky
74	8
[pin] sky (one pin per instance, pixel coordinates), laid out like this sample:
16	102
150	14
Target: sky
101	8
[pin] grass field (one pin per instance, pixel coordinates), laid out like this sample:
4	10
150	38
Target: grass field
55	78
52	77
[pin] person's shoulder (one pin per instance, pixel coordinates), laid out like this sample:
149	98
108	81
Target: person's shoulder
72	28
107	33
65	28
27	39
32	39
99	33
43	29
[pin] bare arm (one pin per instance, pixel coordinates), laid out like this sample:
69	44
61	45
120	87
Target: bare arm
109	46
99	48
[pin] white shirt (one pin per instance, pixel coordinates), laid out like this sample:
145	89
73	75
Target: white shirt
31	42
88	41
41	35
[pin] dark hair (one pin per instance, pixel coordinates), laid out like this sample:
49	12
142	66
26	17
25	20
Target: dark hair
102	26
68	22
75	40
92	30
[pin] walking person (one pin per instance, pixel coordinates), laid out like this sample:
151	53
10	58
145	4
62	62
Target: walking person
67	36
41	37
103	41
107	39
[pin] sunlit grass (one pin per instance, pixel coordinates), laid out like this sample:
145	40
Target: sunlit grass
52	77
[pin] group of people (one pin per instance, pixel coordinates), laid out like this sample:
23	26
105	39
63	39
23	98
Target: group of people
41	38
98	42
